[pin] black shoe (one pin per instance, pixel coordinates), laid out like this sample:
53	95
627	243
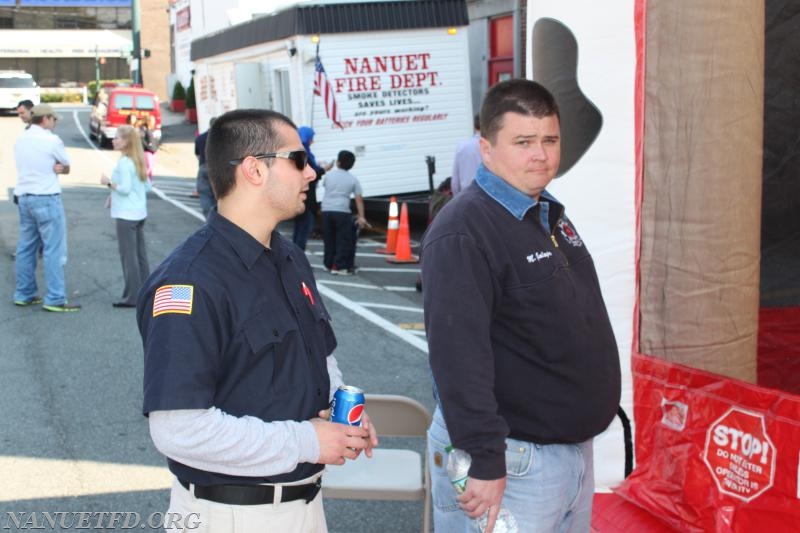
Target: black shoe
123	304
30	301
62	308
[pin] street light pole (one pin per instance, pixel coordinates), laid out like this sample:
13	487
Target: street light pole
137	43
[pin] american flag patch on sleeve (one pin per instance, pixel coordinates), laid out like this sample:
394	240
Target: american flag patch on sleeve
173	299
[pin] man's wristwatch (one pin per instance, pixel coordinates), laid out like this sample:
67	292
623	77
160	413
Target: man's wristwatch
109	184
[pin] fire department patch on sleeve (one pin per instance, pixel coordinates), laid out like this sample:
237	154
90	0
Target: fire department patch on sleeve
173	299
569	234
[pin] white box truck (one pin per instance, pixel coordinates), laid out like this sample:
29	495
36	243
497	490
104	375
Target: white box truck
400	95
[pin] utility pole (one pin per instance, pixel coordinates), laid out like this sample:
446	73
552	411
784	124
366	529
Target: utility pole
137	42
96	71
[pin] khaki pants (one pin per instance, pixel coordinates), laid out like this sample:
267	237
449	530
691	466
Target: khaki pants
190	514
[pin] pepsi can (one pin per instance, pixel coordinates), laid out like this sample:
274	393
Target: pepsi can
348	405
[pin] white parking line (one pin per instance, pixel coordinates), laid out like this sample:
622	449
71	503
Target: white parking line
180	205
399	288
359	254
351	284
378	320
390	306
87	139
388	269
371	243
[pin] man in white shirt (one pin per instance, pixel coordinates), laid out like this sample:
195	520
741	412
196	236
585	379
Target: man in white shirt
40	156
24	113
467	160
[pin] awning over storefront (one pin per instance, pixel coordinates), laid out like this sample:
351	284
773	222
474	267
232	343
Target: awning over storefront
58	43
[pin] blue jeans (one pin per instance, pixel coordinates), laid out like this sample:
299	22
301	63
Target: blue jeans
204	190
549	488
41	223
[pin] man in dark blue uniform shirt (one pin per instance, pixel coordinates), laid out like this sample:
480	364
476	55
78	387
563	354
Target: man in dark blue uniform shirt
238	346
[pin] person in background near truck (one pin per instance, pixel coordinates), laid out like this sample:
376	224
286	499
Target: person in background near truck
304	222
524	361
129	186
238	347
41	157
203	187
149	144
337	222
467	159
148	141
24	112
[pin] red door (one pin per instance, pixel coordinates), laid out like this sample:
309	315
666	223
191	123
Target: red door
501	49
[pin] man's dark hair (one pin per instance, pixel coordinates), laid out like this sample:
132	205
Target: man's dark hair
238	134
476	122
27	104
346	159
521	96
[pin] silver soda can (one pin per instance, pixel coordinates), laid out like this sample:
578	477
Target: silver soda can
348	405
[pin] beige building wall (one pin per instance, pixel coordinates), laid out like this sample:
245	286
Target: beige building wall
154	25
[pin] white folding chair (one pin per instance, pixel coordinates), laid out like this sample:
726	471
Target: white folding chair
391	474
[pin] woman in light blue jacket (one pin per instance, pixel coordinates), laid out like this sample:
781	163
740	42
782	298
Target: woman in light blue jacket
129	186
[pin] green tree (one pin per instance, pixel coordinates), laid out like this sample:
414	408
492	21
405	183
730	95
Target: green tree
178	92
190	101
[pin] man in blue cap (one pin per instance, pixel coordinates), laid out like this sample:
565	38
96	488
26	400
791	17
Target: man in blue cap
304	222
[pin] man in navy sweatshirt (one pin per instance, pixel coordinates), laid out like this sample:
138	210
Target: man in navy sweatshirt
524	361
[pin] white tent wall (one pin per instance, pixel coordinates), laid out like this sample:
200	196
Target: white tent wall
599	188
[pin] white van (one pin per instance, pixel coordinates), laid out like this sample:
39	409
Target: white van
17	85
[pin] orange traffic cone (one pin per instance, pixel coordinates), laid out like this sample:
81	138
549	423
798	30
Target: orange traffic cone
403	253
391	229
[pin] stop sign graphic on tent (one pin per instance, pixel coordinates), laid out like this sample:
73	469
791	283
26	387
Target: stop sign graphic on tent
740	454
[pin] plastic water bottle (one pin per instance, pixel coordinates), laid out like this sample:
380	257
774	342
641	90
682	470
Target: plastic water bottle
458	462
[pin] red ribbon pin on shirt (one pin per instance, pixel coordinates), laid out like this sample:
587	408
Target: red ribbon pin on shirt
307	292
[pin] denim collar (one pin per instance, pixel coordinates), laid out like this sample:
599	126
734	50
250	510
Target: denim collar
513	200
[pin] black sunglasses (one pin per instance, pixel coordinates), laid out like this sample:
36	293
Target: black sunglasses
300	158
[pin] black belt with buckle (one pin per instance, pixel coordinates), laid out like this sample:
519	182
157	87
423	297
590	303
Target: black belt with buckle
253	494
